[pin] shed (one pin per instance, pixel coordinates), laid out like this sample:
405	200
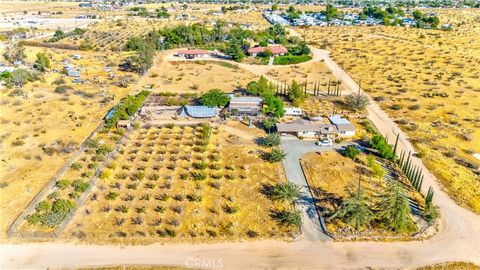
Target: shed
124	124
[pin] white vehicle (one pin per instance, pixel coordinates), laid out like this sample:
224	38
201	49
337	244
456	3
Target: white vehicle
324	142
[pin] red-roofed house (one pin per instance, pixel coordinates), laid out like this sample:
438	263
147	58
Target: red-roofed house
275	49
191	54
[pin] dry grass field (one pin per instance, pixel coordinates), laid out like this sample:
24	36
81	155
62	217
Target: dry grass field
171	186
195	77
428	81
41	128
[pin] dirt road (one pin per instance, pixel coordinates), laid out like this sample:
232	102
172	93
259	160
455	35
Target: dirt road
458	240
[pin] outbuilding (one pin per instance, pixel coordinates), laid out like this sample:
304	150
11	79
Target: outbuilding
245	105
198	111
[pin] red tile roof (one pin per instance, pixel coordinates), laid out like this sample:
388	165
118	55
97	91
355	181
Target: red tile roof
275	49
193	52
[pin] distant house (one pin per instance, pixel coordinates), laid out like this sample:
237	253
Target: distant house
293	111
300	127
247	105
85	5
275	49
192	54
198	111
345	127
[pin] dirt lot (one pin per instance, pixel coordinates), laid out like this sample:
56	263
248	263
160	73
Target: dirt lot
427	80
195	77
41	128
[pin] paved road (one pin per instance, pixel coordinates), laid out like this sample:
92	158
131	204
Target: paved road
311	228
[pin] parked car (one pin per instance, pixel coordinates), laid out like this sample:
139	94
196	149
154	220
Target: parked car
324	142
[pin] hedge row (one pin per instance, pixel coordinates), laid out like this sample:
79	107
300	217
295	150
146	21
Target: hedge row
127	107
291	59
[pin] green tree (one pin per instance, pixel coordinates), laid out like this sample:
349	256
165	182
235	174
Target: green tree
42	63
354	210
296	94
330	12
14	52
269	123
286	192
214	98
19	77
235	51
272	139
356	101
289	218
275	155
351	152
275	7
394	209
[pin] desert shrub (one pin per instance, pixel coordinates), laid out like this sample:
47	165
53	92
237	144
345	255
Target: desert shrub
80	186
63	183
159	209
200	175
44	206
289	218
61	89
252	233
230	209
396	107
74	195
194	198
76	166
111	196
414	107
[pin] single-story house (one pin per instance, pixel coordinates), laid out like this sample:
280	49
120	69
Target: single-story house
293	111
198	111
345	127
245	105
275	49
192	54
300	127
339	127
